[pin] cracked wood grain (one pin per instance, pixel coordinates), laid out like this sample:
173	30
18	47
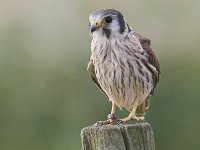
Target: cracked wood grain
138	136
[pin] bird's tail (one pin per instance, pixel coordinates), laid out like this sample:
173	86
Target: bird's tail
141	109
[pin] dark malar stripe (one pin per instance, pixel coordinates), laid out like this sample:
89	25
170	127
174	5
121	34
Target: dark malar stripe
107	32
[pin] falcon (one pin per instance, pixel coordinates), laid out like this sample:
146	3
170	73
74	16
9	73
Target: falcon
121	64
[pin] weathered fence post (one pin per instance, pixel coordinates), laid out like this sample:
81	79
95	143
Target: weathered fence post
138	136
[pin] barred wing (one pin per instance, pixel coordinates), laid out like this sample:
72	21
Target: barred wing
152	64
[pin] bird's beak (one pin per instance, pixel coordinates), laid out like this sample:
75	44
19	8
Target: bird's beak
95	26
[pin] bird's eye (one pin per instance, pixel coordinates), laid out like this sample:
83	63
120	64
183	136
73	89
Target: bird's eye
108	19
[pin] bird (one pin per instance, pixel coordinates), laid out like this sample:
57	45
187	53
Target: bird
122	64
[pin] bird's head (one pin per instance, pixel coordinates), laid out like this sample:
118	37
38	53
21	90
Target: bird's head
107	22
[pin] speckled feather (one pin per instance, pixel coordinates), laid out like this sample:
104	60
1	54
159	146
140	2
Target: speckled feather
123	65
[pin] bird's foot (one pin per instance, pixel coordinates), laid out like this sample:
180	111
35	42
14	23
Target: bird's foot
111	119
124	120
105	122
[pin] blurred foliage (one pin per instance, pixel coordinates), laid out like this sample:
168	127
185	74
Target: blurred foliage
46	95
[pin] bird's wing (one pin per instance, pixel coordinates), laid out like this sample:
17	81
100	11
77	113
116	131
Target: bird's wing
91	71
152	63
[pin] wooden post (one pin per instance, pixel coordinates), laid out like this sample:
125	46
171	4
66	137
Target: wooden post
138	136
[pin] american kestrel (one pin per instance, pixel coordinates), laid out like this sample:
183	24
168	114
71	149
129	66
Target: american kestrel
121	64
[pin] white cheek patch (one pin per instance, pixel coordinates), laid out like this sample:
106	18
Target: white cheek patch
114	26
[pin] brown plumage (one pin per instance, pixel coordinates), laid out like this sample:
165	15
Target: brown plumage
122	63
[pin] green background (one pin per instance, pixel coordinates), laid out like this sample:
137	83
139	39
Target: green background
46	95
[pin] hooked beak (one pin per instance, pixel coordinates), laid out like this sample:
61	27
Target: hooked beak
95	26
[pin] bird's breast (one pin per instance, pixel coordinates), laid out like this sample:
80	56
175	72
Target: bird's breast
119	73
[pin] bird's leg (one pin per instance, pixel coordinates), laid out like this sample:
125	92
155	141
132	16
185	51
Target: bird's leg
132	115
111	116
113	108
